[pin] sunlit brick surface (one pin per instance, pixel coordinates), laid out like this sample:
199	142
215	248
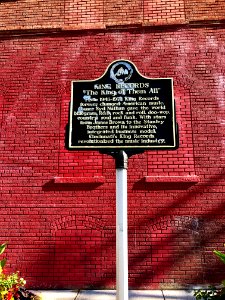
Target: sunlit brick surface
58	207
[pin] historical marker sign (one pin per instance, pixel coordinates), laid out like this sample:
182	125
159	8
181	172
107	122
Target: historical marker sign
122	110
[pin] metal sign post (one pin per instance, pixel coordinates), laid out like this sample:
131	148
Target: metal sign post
121	160
122	113
121	163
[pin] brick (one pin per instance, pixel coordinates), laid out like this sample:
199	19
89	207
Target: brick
58	207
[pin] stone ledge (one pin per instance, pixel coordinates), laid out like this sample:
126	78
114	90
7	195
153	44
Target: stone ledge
71	180
166	182
172	179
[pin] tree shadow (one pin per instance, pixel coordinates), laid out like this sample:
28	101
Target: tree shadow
161	246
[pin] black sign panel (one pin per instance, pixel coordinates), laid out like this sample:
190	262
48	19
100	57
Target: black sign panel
122	110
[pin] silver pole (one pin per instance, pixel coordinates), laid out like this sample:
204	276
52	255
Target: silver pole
121	228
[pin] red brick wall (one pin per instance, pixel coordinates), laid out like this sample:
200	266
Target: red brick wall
205	10
78	15
58	207
30	14
164	12
83	14
121	12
